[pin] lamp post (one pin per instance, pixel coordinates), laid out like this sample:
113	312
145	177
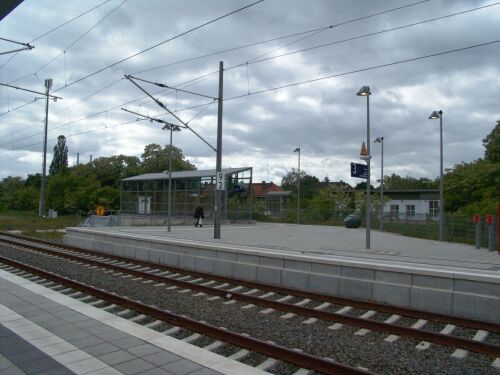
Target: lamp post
172	128
381	141
439	115
365	91
298	188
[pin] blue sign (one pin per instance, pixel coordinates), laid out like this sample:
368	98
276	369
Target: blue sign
359	170
239	187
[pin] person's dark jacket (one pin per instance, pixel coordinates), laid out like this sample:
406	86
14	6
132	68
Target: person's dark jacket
199	213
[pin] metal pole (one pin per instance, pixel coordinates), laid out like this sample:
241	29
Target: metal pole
298	193
441	179
382	190
169	180
41	206
368	206
218	167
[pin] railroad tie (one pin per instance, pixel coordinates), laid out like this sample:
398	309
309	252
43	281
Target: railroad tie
193	337
302	371
342	311
320	307
392	319
239	354
448	329
267	364
137	318
171	331
479	336
213	346
305	301
153	324
266	295
366	315
270	310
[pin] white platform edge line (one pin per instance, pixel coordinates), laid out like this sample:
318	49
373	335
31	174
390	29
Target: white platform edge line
190	352
8	317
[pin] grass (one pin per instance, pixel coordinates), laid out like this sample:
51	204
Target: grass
31	225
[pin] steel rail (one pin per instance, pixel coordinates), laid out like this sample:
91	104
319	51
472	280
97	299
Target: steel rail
272	350
433	337
417	314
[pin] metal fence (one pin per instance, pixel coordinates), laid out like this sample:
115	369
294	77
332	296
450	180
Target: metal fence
457	228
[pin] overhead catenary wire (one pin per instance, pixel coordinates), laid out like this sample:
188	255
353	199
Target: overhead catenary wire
159	44
72	44
273	57
311	32
58	27
334	76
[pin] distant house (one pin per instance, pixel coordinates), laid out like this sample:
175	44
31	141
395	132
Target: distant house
275	199
408	205
414	205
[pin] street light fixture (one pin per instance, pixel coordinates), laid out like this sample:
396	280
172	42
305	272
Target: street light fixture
381	141
434	116
365	91
298	188
172	128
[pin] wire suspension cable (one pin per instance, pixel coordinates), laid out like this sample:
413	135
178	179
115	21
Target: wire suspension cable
314	31
159	44
72	44
257	61
338	75
58	27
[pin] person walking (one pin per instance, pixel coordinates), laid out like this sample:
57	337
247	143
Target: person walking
199	216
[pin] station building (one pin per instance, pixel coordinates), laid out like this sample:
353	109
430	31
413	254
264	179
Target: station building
144	198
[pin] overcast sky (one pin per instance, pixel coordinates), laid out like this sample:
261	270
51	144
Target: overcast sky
324	118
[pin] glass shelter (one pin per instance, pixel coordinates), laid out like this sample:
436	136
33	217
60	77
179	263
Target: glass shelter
146	195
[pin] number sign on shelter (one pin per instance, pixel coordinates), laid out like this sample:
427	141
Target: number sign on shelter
221	181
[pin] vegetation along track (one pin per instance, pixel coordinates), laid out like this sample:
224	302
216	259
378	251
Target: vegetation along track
228	292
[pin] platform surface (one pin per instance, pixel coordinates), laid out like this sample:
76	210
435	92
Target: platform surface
334	242
44	332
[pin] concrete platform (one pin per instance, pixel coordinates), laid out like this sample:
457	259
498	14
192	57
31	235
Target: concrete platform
447	278
45	332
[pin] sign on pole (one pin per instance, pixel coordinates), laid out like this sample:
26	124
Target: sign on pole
221	181
359	170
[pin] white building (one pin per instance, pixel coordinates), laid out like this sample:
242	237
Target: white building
411	205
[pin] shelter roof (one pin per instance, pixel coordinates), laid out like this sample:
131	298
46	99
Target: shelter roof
185	174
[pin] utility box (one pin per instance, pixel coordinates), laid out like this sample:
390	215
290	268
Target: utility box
52	214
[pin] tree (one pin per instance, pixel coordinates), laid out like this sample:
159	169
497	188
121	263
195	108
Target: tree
492	145
473	187
155	159
395	182
60	159
111	170
329	199
362	186
308	184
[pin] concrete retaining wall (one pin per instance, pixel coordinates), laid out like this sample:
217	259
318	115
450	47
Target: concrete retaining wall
457	294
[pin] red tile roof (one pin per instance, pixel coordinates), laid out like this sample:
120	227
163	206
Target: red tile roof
261	189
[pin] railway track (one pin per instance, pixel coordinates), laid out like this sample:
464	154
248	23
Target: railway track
271	299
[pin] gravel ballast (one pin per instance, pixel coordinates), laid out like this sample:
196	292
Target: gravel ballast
369	351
